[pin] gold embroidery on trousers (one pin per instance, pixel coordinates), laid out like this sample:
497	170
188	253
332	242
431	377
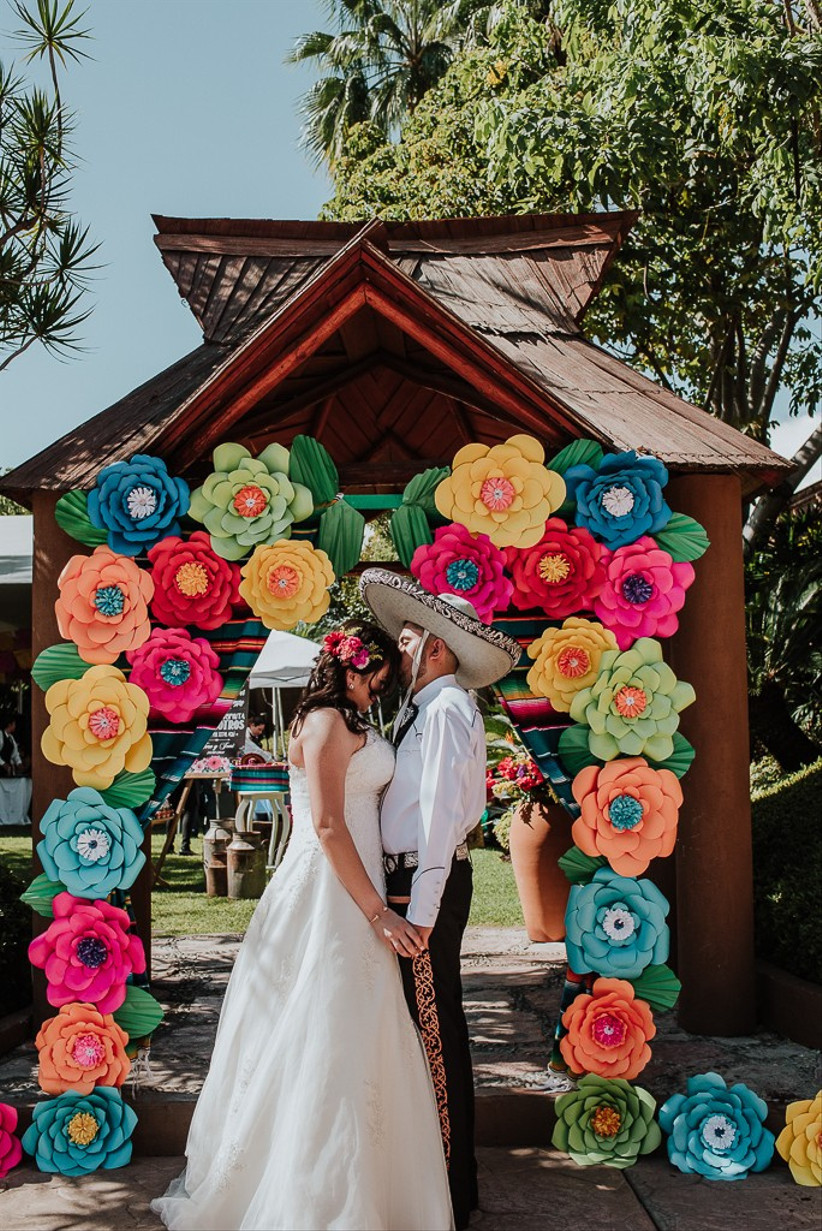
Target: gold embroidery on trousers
430	1030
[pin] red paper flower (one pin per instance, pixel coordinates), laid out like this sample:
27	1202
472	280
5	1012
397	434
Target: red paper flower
177	672
459	562
562	574
192	584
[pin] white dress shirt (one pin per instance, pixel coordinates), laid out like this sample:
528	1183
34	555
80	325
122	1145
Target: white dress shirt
437	794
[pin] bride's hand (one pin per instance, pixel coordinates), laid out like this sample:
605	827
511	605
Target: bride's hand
399	935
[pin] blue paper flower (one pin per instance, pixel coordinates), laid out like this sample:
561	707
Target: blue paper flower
138	503
89	846
622	499
616	926
715	1131
74	1134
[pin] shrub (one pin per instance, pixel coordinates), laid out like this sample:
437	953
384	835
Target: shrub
15	934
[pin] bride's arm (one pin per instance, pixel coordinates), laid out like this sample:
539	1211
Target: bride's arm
327	747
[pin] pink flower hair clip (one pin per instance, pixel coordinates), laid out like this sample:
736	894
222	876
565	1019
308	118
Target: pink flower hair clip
351	650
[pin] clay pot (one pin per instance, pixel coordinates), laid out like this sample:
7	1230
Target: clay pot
540	833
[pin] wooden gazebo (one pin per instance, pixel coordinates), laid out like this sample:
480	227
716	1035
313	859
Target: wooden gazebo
396	343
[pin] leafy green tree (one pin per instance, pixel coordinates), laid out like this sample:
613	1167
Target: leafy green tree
44	252
703	116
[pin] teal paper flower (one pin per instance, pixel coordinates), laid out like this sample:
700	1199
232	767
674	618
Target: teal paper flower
75	1134
606	1121
90	846
633	706
248	501
715	1131
615	926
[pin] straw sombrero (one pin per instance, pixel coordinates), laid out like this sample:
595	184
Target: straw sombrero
484	653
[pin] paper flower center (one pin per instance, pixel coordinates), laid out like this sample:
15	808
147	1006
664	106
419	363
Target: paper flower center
497	494
630	701
104	723
618	923
609	1030
109	600
87	1051
283	581
91	952
606	1121
175	671
718	1132
82	1129
191	579
618	500
141	502
574	662
250	501
636	588
554	568
625	812
93	845
462	574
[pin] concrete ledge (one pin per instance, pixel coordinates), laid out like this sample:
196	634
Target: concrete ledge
789	1005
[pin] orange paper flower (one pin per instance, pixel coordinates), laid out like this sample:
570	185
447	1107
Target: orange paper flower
103	605
608	1031
629	813
81	1048
98	727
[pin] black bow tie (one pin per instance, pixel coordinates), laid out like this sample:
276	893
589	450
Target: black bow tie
406	724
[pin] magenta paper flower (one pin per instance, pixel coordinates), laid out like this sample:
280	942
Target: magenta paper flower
11	1149
177	672
644	588
459	562
192	584
561	574
87	953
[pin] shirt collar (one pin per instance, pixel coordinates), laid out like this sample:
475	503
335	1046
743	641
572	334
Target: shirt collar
427	694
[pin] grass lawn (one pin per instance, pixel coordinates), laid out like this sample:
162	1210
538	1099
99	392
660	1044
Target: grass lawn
183	909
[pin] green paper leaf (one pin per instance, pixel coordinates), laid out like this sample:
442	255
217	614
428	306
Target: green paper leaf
683	538
680	760
420	491
577	453
58	662
409	530
340	536
71	515
659	986
139	1014
579	869
312	466
574	750
130	790
40	895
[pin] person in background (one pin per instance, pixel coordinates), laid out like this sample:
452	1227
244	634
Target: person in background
11	761
254	733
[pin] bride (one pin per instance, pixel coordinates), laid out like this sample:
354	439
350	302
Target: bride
318	1110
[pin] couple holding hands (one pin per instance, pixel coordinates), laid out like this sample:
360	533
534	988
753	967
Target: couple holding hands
340	1091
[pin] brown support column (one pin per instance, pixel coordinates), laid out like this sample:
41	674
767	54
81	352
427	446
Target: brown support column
714	867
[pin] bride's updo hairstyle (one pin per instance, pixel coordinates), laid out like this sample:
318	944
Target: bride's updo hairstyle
355	646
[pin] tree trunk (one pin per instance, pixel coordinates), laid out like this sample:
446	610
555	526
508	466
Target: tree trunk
768	507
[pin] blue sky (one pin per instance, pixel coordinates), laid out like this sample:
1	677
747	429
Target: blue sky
186	109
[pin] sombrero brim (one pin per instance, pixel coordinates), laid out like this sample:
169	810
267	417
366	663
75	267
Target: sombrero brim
485	654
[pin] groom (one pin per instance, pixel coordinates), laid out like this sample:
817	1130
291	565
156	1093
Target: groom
435	799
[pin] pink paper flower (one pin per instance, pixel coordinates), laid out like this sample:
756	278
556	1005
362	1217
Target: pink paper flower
643	590
11	1150
192	584
177	672
459	562
87	953
561	574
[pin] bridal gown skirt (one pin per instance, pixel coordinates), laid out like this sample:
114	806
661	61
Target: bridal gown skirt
318	1110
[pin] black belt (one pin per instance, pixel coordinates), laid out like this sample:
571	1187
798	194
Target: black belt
411	859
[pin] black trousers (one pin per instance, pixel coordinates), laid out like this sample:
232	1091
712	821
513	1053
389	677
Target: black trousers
444	947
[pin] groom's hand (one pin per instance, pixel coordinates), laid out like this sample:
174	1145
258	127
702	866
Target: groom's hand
399	935
423	934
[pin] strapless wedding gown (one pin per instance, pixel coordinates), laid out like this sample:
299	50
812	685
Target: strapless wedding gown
318	1110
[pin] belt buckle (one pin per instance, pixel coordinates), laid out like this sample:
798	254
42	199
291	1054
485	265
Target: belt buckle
390	863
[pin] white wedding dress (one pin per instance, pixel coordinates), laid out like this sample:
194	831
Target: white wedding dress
318	1110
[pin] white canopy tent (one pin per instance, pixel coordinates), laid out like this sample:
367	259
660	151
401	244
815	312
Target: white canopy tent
285	661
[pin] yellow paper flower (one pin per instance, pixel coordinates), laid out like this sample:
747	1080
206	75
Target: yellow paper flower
286	582
567	660
98	727
800	1142
504	491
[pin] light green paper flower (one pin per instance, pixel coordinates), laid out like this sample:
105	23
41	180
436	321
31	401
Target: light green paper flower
633	706
247	501
606	1121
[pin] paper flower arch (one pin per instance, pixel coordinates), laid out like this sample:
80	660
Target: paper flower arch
717	1132
458	562
800	1142
192	584
11	1149
98	727
629	813
79	1049
103	604
137	503
287	582
90	846
561	574
177	672
620	500
75	1134
608	1031
615	925
567	660
606	1122
642	591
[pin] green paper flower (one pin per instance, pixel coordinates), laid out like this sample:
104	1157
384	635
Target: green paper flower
606	1121
633	706
248	501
